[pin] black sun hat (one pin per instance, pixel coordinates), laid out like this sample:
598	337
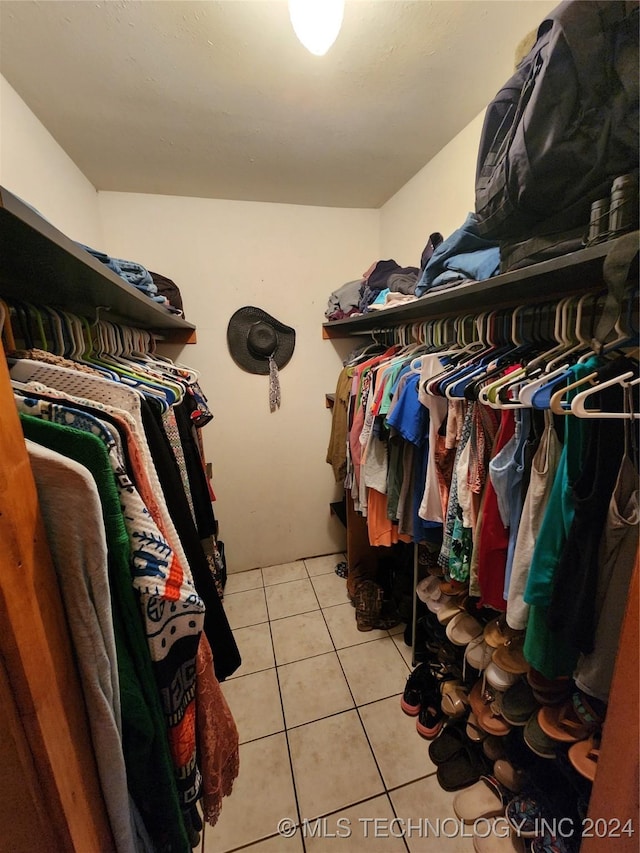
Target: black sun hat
258	343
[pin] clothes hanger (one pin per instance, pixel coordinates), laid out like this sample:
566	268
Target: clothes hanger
488	394
578	402
557	403
23	320
505	392
560	406
461	373
83	351
559	367
448	340
626	332
104	347
508	355
467	363
626	335
36	326
57	335
582	337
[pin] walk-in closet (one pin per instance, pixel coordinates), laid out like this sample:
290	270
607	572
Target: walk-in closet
319	505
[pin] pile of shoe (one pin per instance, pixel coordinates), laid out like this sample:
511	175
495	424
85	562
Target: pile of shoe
494	723
504	793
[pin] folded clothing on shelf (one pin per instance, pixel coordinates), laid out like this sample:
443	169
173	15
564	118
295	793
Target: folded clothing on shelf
133	273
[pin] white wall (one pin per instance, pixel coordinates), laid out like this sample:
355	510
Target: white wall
437	198
34	167
271	479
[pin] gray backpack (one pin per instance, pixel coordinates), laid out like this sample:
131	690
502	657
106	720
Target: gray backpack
564	126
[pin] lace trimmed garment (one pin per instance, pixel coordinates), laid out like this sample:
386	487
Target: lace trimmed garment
50	358
217	736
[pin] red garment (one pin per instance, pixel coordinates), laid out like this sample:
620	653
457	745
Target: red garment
217	736
493	538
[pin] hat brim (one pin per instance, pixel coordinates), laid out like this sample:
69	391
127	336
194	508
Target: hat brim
238	336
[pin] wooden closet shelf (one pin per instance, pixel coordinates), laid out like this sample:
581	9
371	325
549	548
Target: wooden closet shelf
575	272
39	259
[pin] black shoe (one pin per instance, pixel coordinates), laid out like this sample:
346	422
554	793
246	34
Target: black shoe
420	683
431	717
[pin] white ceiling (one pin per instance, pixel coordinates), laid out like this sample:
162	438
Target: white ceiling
219	99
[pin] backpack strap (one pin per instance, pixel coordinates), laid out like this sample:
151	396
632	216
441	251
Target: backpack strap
615	272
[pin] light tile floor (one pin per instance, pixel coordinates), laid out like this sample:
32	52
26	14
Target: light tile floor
323	741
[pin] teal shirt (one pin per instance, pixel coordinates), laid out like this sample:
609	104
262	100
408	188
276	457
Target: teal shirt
545	650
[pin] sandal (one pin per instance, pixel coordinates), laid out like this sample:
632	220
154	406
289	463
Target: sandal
341	569
463	769
500	843
584	756
492	721
447	744
428	588
454	698
510	655
549	691
484	799
463	628
497	632
549	843
510	777
428	559
478	654
524	815
454	587
572	721
480	697
499	678
537	741
473	730
493	748
518	703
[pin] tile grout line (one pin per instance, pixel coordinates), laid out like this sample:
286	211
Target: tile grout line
386	791
364	729
366	734
286	733
325	717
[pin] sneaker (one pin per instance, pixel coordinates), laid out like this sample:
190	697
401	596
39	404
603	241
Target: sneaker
420	682
341	569
430	718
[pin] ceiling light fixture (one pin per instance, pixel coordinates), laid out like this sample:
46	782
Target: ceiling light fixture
316	23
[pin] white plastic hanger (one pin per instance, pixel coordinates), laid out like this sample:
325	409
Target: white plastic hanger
578	403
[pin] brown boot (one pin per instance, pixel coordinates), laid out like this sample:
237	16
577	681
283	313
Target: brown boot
368	604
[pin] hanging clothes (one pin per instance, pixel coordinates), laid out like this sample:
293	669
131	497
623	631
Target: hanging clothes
172	611
66	489
112	419
526	508
151	781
